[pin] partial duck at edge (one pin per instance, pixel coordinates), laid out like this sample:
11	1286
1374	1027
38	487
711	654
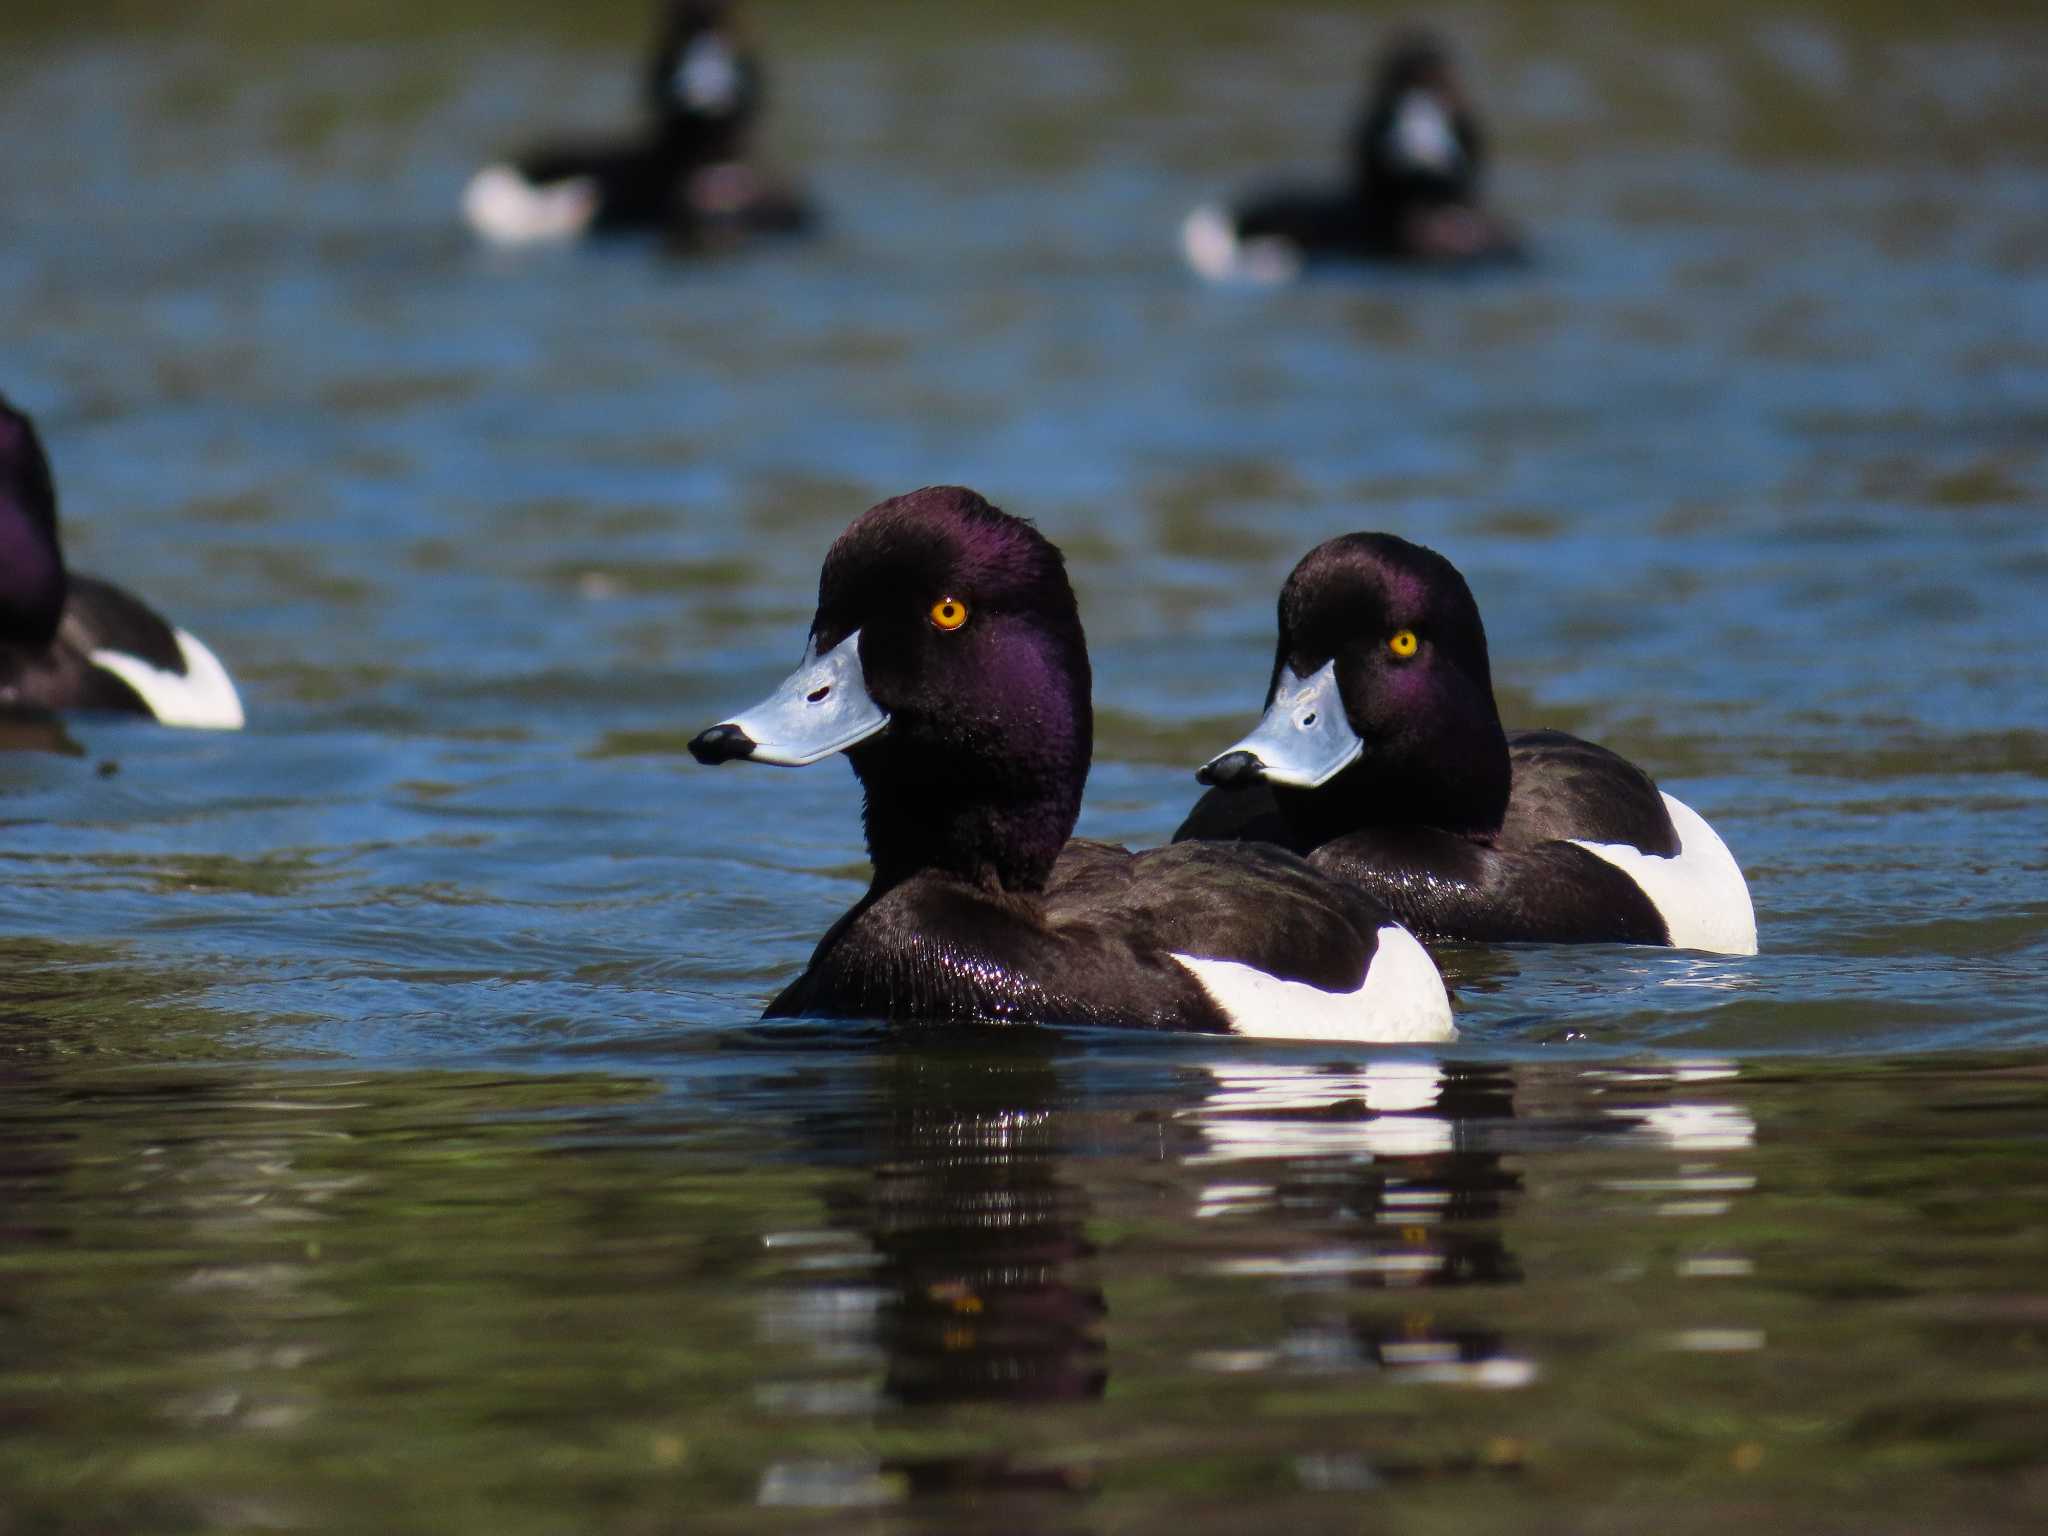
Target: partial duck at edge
70	641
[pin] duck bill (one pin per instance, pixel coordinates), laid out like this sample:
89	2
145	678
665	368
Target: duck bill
1304	740
1423	137
821	708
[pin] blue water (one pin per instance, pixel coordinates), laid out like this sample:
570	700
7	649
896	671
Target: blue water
1747	471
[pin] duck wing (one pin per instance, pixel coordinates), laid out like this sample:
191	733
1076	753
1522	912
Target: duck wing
1564	788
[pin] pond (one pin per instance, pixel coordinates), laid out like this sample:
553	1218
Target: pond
386	1137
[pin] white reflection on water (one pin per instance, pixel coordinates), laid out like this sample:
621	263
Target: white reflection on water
1378	1110
1718	1341
1686	1127
1694	1127
828	1485
1398	1265
1373	1151
1499	1373
835	1322
1706	1070
1715	1267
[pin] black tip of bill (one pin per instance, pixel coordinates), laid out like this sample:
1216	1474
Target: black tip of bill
722	744
1231	770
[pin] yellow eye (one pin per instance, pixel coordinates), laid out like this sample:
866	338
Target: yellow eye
948	613
1403	644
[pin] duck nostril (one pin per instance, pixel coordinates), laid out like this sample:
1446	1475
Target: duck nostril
818	697
1308	720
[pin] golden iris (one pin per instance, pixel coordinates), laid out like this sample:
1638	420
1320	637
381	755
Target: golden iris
1403	644
948	613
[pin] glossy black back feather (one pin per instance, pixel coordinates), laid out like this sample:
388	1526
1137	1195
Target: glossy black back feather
58	677
1097	947
1564	787
61	674
102	617
1449	888
1250	903
934	949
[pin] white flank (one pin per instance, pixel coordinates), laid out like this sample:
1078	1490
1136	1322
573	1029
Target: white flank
1208	239
503	206
204	697
1699	891
1402	998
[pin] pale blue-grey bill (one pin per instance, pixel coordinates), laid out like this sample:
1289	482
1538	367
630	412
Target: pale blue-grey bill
821	708
1304	739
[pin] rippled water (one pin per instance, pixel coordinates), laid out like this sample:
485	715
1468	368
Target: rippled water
384	1139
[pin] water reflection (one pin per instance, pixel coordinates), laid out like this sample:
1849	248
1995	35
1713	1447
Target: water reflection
1350	1203
1686	1125
191	1188
1000	1291
960	1269
1381	1179
215	1268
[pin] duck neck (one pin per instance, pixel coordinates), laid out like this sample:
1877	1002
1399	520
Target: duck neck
32	581
997	832
1464	793
688	139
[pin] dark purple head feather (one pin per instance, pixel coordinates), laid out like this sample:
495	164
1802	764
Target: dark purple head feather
32	583
1433	748
1411	58
981	768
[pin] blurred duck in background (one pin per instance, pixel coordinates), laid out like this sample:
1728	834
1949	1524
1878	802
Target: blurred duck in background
686	174
1412	196
73	642
1381	759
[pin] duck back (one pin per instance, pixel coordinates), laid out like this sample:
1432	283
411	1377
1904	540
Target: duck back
1209	937
1562	787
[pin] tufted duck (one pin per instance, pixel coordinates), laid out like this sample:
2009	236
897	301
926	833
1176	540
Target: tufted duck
1412	196
1381	758
72	642
687	173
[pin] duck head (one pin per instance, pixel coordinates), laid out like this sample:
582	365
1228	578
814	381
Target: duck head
1419	143
1380	708
946	660
699	73
32	582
